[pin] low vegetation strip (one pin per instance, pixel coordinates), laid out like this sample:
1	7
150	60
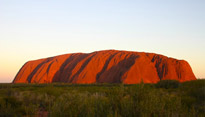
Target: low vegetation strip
166	98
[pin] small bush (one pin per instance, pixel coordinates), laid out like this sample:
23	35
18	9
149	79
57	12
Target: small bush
167	84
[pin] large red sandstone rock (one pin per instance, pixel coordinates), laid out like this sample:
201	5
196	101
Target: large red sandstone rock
108	66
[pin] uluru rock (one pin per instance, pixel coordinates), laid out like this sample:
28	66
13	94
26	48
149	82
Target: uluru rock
109	66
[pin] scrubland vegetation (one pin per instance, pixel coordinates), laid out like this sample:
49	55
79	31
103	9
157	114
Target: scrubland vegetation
166	98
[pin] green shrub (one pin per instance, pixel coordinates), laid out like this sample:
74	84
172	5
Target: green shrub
193	93
167	84
10	106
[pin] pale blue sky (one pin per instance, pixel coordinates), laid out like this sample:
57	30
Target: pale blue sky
33	29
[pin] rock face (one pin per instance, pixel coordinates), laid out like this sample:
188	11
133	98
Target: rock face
109	66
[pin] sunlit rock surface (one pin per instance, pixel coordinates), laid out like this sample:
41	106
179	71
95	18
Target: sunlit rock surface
109	66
